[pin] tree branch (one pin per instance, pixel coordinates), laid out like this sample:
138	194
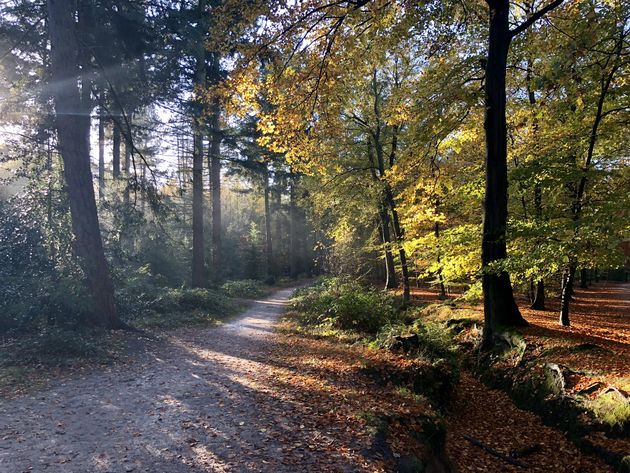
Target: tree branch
535	17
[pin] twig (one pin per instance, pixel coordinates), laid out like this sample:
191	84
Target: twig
492	451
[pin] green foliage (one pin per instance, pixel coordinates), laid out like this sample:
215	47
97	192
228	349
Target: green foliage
345	305
611	409
243	288
171	307
35	288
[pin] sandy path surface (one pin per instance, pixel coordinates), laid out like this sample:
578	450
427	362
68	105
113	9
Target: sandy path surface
199	401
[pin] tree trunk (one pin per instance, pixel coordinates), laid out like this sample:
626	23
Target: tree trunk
539	296
383	214
268	239
399	235
500	309
390	269
72	119
279	240
198	256
567	288
584	278
215	170
198	253
293	253
101	153
116	152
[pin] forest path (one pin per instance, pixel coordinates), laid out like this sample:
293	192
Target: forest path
198	402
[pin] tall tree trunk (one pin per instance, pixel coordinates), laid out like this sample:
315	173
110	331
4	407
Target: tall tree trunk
215	170
606	82
271	270
383	213
279	240
538	292
584	278
198	251
500	309
390	270
116	151
214	164
198	256
293	251
567	288
101	153
72	120
128	160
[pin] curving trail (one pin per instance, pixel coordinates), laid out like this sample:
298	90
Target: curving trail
198	402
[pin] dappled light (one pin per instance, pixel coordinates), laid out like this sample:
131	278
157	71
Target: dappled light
309	236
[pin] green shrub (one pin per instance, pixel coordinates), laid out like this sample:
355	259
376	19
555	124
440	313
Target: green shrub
344	305
147	306
244	288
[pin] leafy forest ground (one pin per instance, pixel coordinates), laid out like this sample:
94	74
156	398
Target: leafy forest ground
246	397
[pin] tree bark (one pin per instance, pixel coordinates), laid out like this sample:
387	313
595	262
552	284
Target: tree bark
383	214
293	252
567	288
539	296
101	154
584	278
72	120
116	151
198	253
390	270
215	170
500	309
198	256
271	271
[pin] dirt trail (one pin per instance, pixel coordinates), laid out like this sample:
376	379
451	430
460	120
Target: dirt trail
196	404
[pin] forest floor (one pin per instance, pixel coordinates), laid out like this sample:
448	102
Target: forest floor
248	397
596	347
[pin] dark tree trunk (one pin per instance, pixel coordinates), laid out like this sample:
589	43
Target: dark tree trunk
116	152
214	164
584	278
128	150
399	235
198	254
500	309
128	160
101	153
279	240
198	251
539	296
293	250
390	269
215	170
565	302
271	270
383	214
72	120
